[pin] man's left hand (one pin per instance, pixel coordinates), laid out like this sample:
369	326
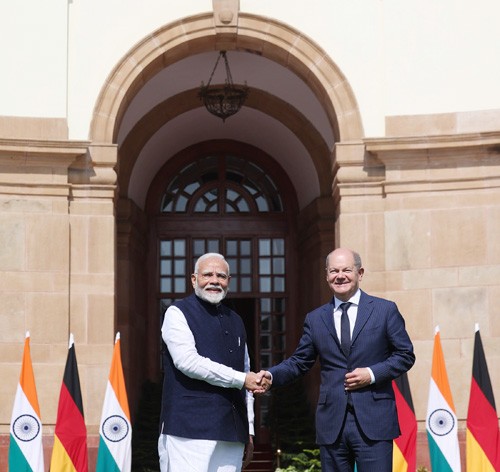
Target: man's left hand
358	378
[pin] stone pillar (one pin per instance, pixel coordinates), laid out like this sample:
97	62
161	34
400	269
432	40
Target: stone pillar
57	265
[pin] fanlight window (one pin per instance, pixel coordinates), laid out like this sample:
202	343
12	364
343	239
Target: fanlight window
222	185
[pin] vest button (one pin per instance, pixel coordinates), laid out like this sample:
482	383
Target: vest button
226	332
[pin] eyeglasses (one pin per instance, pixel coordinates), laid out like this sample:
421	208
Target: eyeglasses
208	275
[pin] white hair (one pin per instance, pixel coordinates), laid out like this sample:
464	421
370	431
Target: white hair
209	255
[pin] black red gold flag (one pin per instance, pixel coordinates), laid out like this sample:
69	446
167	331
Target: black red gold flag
405	446
483	437
70	437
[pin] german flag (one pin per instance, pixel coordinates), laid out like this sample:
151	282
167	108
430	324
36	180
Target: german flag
404	456
70	439
483	438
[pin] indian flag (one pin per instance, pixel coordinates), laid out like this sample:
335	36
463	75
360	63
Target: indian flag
115	446
441	422
25	448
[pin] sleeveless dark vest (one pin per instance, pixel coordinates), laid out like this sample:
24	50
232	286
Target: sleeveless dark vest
196	409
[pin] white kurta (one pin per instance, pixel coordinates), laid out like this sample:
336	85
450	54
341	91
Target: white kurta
200	455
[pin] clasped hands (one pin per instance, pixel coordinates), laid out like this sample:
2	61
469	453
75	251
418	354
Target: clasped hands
258	383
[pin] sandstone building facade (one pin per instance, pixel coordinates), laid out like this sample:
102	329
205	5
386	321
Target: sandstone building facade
368	124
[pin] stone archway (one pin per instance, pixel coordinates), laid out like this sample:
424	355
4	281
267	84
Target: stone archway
268	37
164	47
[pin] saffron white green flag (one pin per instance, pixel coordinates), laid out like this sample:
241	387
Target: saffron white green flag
115	445
25	447
442	425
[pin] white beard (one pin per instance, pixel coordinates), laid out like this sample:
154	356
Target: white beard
209	297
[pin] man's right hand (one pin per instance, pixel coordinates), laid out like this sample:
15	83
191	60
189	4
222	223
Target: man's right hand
258	383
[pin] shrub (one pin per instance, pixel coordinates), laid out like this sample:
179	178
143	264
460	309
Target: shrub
306	461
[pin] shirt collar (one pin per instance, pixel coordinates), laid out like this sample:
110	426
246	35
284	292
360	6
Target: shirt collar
354	299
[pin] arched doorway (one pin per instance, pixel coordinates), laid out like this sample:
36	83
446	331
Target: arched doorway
298	132
301	108
231	198
150	114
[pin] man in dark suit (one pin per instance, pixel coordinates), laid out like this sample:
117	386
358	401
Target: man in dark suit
356	418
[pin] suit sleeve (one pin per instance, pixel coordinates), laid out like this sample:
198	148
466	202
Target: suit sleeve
299	363
400	355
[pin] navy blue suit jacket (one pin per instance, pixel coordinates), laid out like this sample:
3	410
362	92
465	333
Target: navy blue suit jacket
379	341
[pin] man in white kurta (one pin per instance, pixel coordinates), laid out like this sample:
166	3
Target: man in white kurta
182	454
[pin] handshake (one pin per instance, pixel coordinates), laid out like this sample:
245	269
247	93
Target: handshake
258	383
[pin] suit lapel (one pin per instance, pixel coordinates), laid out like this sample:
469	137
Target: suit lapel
365	309
327	317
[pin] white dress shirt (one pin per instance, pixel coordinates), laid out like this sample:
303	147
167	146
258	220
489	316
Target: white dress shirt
352	312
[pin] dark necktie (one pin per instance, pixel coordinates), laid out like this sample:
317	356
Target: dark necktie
345	329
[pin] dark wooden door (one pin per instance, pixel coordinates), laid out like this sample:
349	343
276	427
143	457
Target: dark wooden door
228	200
